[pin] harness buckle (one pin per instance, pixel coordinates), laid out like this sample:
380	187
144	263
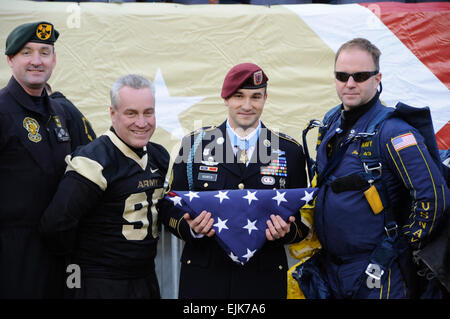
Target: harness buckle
362	135
365	134
391	230
314	123
369	169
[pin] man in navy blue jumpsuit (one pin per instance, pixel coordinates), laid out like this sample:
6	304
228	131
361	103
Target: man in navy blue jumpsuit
348	227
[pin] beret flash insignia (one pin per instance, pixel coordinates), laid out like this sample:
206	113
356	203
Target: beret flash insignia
257	77
44	31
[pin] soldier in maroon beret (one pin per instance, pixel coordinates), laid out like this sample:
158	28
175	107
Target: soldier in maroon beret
241	153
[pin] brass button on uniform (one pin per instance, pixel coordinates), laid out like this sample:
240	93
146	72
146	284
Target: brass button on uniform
188	262
280	267
205	185
241	186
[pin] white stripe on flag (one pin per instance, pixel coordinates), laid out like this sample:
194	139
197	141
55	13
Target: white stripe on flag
403	141
405	77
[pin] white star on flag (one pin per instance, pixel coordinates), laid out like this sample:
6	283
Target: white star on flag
221	224
308	196
234	257
279	198
170	120
192	195
176	200
222	196
250	226
239	215
249	254
250	196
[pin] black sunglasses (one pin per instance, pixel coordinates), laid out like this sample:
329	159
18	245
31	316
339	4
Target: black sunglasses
357	77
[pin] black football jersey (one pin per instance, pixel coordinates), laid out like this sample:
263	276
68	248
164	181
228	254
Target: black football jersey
108	195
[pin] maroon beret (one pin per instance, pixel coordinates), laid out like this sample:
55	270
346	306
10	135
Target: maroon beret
243	76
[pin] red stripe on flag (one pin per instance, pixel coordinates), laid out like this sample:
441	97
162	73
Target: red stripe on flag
422	27
443	137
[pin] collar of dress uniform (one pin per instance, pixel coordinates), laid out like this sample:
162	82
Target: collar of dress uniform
243	142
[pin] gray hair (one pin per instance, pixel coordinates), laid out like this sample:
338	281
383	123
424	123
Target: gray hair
131	80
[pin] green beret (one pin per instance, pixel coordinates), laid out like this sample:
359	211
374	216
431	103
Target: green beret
41	32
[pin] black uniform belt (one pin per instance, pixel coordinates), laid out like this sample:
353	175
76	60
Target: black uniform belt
349	183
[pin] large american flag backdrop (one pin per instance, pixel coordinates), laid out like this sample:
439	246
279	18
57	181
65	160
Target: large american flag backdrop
188	49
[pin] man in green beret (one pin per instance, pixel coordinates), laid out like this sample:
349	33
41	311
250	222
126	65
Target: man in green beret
31	55
36	133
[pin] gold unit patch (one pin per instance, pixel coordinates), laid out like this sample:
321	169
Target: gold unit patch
32	126
44	31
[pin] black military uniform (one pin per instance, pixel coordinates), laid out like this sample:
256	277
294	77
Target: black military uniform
31	165
103	214
207	162
77	121
34	140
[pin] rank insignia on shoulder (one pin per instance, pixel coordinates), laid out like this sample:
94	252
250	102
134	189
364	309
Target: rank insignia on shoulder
32	126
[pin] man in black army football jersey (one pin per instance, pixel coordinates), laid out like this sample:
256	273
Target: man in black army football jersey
103	212
36	133
240	153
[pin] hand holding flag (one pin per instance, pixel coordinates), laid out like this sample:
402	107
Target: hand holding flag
277	228
201	224
241	219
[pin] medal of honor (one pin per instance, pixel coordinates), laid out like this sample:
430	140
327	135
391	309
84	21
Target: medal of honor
243	158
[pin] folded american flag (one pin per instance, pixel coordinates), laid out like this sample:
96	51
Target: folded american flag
240	215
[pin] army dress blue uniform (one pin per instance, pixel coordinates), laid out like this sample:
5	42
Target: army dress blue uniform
207	271
33	143
103	214
350	230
